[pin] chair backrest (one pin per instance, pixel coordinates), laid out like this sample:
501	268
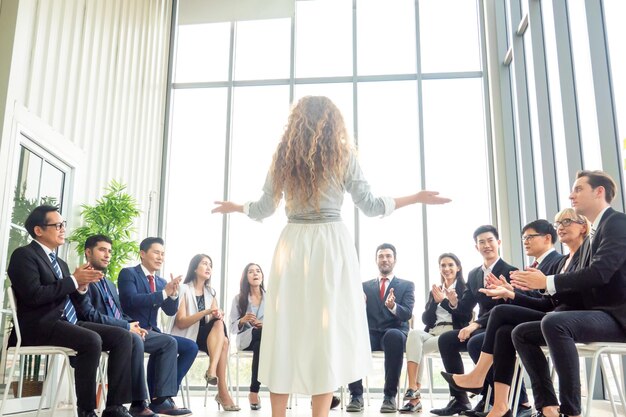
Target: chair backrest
13	308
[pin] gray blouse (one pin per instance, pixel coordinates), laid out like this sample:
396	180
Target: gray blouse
331	200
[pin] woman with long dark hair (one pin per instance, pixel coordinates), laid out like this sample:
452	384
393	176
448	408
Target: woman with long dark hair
199	318
315	335
246	321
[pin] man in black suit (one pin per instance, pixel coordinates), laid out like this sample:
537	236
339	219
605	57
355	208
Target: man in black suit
101	304
539	237
601	276
470	338
389	306
45	292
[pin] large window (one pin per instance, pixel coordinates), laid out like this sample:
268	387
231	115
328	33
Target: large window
411	88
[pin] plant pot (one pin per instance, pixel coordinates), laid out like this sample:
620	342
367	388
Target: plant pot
30	388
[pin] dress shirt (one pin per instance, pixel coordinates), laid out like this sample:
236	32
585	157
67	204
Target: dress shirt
487	270
387	285
146	273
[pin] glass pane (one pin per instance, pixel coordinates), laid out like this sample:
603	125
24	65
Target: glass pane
386	37
455	142
586	99
259	117
449	35
327	52
26	196
196	179
202	52
262	49
390	158
52	182
615	15
556	109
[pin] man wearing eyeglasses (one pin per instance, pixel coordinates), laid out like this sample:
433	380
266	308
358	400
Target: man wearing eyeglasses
44	291
538	238
600	276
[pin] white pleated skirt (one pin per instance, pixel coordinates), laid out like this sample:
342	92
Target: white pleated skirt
315	335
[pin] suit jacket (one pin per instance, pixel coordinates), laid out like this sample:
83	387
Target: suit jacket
602	279
460	318
471	297
379	318
137	300
550	263
92	306
556	302
40	295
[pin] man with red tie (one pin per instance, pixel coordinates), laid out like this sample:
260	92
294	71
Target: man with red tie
389	305
143	293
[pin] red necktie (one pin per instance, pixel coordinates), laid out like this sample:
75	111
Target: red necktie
534	265
382	288
151	281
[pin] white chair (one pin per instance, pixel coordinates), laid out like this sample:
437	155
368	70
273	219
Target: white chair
53	351
239	354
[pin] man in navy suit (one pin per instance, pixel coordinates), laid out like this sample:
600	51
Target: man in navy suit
601	276
143	293
101	304
389	306
45	293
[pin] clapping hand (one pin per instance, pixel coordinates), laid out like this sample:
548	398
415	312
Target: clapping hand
531	279
85	274
171	288
453	297
390	302
438	294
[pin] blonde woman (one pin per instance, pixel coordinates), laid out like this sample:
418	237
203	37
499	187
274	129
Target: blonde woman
315	334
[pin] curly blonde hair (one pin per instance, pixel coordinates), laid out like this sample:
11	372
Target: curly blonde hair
313	151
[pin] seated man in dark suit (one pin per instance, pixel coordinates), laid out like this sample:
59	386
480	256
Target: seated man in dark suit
101	304
600	276
389	306
471	338
143	294
45	293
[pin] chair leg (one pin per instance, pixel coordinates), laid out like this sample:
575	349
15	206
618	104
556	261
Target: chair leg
367	390
591	382
7	386
428	362
620	388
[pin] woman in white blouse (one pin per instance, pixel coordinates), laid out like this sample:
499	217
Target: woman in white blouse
199	318
246	321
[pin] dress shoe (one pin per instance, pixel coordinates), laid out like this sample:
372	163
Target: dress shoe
450	380
86	413
411	394
141	410
335	402
411	408
389	405
540	414
116	411
524	411
453	407
356	404
478	410
168	407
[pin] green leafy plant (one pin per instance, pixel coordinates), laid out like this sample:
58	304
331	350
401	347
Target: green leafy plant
113	216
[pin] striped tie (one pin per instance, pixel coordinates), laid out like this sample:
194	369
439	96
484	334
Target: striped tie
109	299
68	309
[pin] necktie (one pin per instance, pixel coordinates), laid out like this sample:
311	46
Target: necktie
534	264
109	299
151	282
383	281
68	309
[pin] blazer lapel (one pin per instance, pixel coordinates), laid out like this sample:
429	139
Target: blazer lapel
113	292
42	254
142	278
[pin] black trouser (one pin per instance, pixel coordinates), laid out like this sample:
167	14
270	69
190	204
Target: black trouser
561	331
255	345
89	340
392	342
450	348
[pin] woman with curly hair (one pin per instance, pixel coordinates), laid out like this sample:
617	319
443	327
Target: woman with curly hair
315	335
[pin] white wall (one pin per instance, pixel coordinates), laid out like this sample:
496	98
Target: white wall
95	72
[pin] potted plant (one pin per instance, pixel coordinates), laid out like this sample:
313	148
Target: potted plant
113	216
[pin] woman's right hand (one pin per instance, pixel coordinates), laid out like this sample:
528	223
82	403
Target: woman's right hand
438	294
249	317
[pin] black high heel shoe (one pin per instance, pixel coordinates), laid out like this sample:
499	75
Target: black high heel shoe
450	380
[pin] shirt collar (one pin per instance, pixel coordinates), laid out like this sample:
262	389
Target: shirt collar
596	222
542	257
490	267
390	278
44	247
145	271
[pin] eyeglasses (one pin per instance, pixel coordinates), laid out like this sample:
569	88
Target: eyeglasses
566	222
528	237
57	226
